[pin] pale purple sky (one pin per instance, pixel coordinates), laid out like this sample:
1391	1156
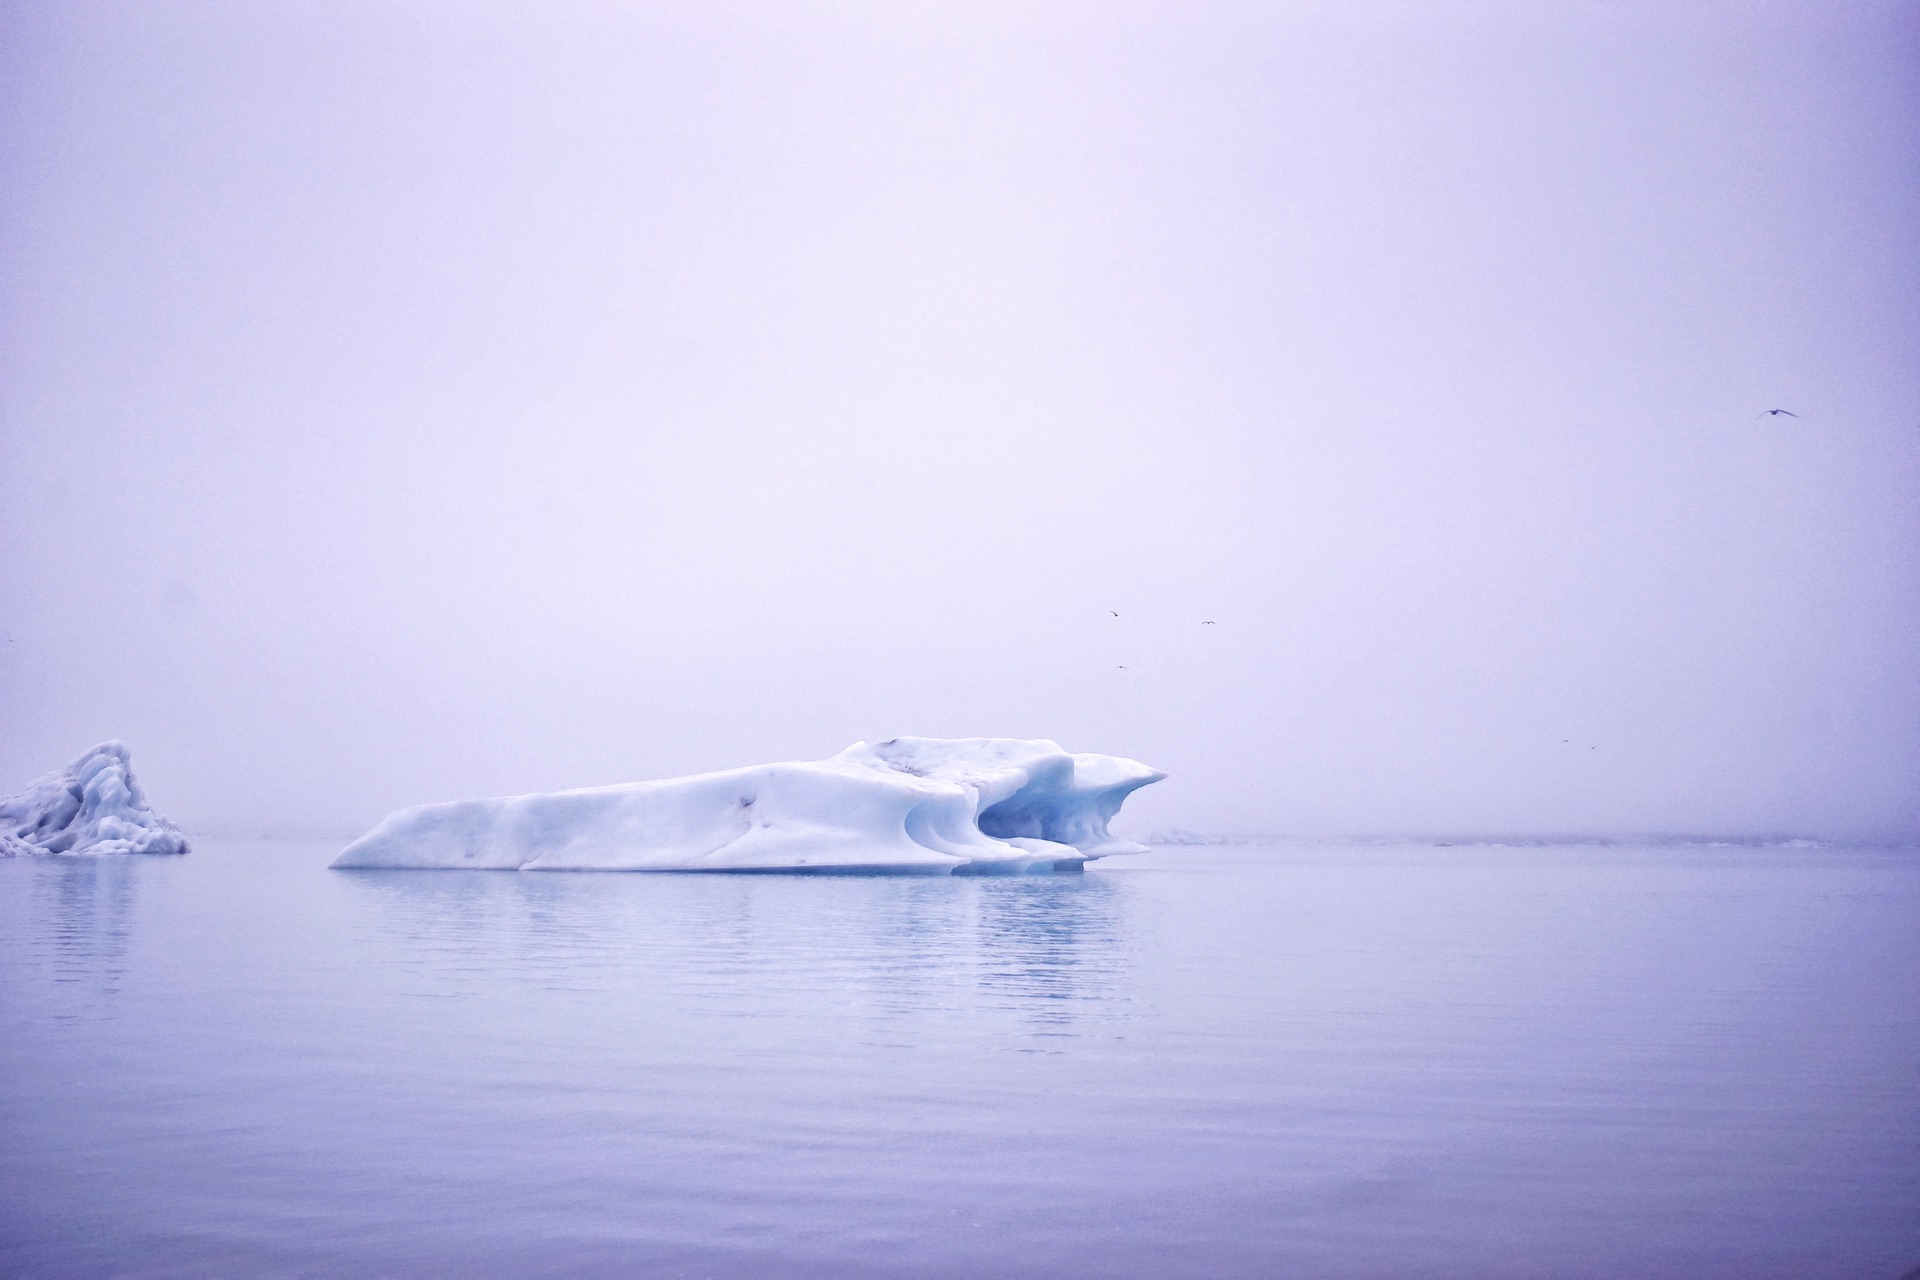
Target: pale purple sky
404	402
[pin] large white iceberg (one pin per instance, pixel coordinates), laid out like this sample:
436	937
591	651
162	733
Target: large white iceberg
93	806
966	805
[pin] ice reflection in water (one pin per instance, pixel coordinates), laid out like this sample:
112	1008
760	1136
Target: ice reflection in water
1049	950
84	912
1052	948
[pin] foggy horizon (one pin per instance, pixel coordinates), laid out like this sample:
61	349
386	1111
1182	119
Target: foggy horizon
1356	412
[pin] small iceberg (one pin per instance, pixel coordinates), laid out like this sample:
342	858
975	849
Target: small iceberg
93	806
967	806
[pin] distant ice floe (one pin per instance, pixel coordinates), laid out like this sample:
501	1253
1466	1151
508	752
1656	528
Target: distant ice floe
967	806
1181	836
93	806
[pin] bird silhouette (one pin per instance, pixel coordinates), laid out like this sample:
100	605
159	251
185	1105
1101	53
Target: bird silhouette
1114	614
1775	413
1207	622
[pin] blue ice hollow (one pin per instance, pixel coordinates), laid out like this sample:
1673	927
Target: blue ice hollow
936	805
93	806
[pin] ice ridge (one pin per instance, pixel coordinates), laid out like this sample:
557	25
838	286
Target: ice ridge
968	806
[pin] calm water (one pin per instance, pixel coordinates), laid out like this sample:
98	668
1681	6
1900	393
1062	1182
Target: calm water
1250	1061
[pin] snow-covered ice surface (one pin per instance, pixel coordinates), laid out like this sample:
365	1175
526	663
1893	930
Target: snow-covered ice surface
93	806
938	805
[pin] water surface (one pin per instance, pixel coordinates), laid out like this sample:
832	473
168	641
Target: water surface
1240	1061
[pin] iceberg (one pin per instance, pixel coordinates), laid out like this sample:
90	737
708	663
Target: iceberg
965	806
93	806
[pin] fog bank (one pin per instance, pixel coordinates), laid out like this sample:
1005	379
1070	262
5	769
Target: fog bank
1354	411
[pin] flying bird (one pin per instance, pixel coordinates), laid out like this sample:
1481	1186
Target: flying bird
1206	622
1775	413
1115	614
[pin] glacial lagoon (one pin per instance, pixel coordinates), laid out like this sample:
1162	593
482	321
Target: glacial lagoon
1257	1060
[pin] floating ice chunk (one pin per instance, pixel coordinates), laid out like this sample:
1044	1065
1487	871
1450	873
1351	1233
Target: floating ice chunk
92	806
976	806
